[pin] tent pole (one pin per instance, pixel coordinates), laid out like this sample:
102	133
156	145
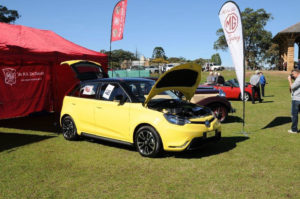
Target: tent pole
244	84
110	61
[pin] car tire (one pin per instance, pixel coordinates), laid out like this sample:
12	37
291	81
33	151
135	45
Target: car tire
247	97
220	111
69	129
148	142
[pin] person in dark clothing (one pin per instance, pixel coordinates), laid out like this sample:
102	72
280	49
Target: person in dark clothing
262	82
220	79
298	64
254	81
284	66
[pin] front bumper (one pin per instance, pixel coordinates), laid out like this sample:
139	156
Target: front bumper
179	138
200	141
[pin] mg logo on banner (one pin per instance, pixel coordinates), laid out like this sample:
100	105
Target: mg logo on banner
231	23
10	76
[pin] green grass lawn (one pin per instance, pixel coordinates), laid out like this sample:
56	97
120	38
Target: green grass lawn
38	163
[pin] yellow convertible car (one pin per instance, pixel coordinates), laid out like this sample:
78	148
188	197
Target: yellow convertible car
137	111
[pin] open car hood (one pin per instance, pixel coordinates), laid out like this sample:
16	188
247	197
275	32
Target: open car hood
184	78
86	70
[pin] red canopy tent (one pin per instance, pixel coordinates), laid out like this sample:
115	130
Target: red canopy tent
31	77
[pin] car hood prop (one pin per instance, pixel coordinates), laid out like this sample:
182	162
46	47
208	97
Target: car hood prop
184	78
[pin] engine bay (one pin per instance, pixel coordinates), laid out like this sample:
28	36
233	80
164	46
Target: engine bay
179	108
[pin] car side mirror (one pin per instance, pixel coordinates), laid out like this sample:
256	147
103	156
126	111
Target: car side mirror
120	99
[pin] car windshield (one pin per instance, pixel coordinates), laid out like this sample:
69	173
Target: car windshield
234	82
141	89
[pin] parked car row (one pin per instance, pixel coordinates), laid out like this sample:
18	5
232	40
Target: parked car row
212	67
152	69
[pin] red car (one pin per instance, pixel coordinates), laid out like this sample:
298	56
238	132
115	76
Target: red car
233	91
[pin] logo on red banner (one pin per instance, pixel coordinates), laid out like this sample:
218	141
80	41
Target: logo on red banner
231	23
10	76
118	8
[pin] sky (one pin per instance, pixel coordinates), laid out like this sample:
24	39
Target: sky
183	28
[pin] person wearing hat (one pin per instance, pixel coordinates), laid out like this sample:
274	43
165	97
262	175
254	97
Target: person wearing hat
254	81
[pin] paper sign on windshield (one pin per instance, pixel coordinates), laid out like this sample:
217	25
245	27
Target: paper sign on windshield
109	89
88	90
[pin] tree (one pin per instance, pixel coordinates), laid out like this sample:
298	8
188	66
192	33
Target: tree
118	56
8	16
121	55
272	55
201	61
159	61
177	60
158	52
215	58
257	39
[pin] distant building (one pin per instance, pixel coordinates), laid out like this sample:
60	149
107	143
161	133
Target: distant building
286	40
126	64
142	62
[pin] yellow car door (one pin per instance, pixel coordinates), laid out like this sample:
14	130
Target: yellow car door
112	112
83	107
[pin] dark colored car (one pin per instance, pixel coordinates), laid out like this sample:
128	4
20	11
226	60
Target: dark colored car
213	99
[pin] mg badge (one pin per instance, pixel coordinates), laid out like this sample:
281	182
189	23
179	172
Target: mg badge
207	123
231	23
10	76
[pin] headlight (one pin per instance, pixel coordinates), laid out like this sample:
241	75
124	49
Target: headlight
174	119
222	93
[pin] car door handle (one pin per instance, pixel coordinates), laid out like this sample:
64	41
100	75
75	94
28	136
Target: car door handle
98	107
73	104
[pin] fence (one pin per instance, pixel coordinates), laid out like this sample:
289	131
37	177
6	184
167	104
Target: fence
129	73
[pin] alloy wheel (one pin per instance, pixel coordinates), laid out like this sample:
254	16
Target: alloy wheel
69	129
146	142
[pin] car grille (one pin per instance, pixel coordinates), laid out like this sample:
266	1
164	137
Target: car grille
202	122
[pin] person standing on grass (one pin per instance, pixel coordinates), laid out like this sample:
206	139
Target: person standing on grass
254	81
215	77
298	64
210	78
295	89
262	82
